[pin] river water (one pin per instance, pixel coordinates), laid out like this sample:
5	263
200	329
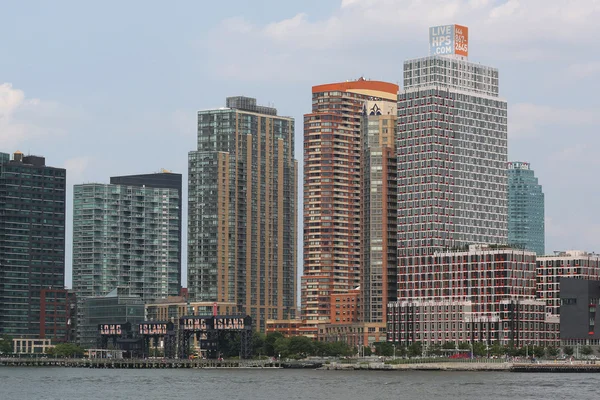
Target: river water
272	384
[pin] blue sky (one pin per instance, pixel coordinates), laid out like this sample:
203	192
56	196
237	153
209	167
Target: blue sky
111	88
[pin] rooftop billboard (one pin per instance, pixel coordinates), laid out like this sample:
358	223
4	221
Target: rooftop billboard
449	39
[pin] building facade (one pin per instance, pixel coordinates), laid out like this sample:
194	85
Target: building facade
517	323
117	307
345	307
173	308
379	269
568	264
126	236
32	346
525	208
482	275
163	180
242	210
452	155
482	295
32	239
579	312
333	151
357	334
57	315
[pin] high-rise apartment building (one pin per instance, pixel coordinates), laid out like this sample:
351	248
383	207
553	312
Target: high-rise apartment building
378	272
525	208
32	239
127	235
333	134
163	180
452	204
452	155
242	210
563	264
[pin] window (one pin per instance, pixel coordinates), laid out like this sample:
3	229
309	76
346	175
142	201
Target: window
569	301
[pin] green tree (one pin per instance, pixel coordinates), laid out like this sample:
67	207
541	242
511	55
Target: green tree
300	346
384	349
415	349
479	349
258	343
367	352
449	346
497	350
434	350
568	350
321	349
282	347
339	349
551	352
511	350
401	351
538	351
66	350
270	340
520	352
586	350
464	346
6	344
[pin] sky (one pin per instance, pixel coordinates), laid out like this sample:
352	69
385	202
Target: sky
112	88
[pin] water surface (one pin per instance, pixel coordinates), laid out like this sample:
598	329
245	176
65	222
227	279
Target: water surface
273	384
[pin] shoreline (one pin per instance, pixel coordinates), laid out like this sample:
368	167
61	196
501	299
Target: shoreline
548	366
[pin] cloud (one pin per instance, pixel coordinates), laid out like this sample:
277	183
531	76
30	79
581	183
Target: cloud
25	120
291	48
76	168
583	70
526	119
13	130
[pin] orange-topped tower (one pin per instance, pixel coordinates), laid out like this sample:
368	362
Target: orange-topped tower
332	190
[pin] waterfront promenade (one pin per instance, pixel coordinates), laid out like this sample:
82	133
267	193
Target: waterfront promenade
135	363
346	365
468	365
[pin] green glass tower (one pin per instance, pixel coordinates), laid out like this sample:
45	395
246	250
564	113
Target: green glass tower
525	208
126	236
32	240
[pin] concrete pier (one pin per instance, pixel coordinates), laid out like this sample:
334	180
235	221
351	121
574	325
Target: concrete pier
135	363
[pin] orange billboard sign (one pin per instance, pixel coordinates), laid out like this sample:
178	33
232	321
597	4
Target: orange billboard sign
461	40
449	39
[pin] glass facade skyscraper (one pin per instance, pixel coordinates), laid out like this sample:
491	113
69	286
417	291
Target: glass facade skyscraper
525	208
126	236
32	239
163	180
116	307
242	210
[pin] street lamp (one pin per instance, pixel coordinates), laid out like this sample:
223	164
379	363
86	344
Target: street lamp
394	346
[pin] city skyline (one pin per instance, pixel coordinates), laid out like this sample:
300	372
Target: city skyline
59	112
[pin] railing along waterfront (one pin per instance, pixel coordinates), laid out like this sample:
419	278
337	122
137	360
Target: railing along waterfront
135	363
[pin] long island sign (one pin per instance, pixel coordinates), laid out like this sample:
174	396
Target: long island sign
219	323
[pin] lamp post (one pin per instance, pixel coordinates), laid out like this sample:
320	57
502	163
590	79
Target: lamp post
394	346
